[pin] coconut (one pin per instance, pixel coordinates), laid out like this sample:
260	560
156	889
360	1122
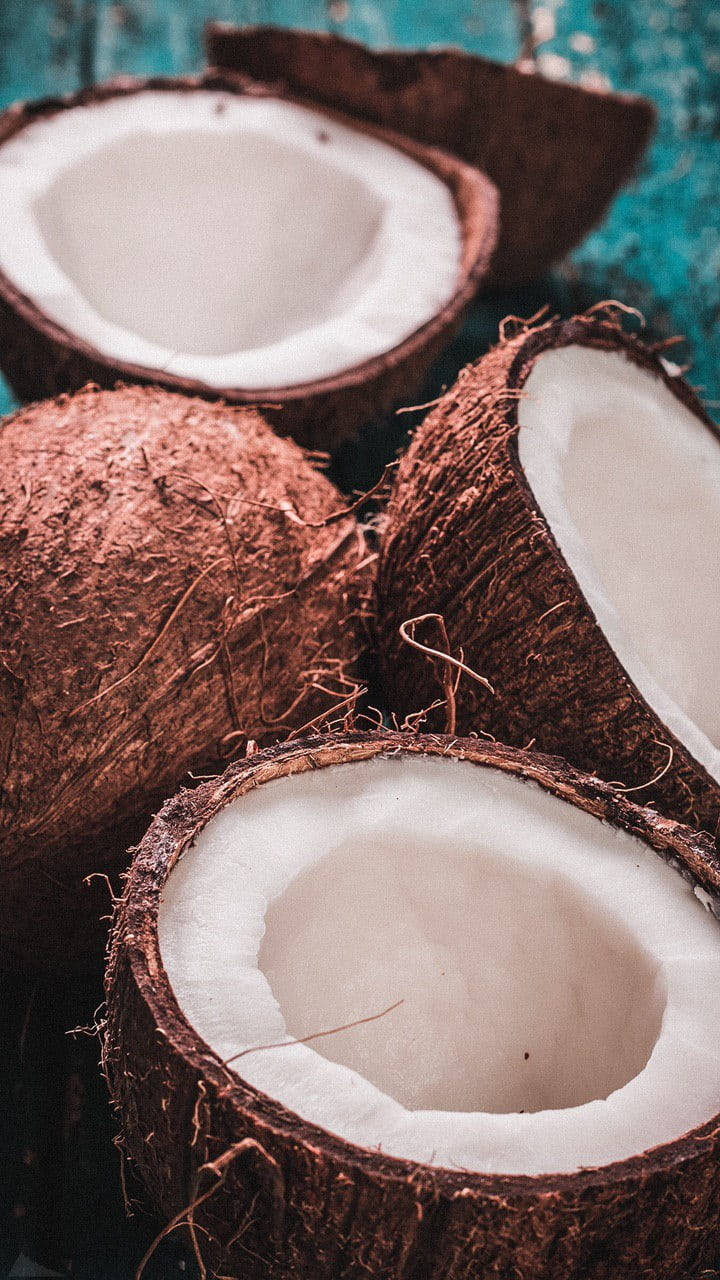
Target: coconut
175	583
218	238
385	1004
558	153
560	509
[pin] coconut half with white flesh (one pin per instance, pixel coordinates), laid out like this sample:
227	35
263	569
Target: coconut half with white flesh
219	238
417	1005
558	153
561	510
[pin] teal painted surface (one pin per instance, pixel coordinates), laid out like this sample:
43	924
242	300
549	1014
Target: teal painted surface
41	48
659	247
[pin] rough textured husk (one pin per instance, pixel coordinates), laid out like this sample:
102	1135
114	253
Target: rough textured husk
40	358
152	621
465	537
557	153
296	1202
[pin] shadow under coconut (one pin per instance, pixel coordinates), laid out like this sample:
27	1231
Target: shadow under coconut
62	1205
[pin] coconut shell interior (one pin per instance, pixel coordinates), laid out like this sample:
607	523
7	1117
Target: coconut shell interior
40	357
304	1201
556	152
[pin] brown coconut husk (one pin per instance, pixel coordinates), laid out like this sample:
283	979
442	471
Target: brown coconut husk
270	1197
557	153
175	584
465	538
40	358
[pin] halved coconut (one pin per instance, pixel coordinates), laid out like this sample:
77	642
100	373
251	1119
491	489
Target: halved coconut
558	153
561	510
169	591
384	1004
220	238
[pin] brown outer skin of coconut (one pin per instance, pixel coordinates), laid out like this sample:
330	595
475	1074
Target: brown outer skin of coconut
40	358
310	1206
119	510
557	153
465	537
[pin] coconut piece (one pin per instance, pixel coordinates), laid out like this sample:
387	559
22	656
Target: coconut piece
560	509
425	1006
221	239
558	153
169	591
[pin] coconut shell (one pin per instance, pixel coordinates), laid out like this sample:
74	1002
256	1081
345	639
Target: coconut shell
557	153
40	358
169	591
289	1201
465	538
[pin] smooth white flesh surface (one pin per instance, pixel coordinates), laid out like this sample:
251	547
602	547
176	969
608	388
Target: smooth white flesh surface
243	242
628	480
560	985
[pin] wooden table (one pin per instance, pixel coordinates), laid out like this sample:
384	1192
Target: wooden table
658	250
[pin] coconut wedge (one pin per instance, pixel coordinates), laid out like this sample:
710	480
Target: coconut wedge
556	152
422	1006
561	510
169	591
221	239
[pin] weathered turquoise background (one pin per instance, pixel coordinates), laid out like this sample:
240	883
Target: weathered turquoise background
659	247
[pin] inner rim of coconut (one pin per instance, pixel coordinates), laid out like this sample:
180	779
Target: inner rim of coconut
560	984
238	241
628	479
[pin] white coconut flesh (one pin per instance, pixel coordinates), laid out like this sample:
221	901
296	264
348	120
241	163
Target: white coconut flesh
241	241
628	480
548	989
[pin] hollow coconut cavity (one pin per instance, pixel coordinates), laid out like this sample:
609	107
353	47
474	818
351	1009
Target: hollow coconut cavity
233	240
171	589
426	970
599	470
557	152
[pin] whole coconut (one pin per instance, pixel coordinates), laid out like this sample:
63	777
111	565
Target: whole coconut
171	589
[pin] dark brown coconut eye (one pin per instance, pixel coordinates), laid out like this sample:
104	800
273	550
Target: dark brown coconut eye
579	573
427	968
232	242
